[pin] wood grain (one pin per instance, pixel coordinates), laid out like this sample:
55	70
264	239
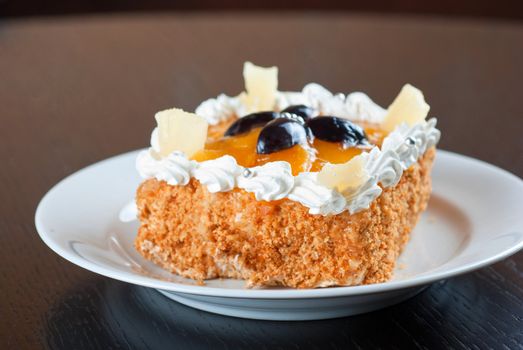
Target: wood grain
77	90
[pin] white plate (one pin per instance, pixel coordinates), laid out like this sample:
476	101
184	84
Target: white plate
474	219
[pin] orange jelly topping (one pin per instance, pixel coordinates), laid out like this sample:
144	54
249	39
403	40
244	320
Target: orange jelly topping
310	157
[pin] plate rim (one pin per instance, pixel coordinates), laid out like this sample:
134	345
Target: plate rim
245	293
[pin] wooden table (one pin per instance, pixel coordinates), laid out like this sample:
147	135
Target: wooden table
77	90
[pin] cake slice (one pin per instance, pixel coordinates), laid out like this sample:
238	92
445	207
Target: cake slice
288	196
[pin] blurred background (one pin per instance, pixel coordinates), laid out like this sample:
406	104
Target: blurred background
509	9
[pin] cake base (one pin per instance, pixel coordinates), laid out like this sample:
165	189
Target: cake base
201	235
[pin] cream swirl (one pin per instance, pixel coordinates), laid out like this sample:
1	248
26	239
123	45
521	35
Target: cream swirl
397	142
147	165
319	199
291	98
268	182
129	212
433	134
386	167
355	106
323	100
221	108
219	175
174	169
362	198
399	151
359	107
409	143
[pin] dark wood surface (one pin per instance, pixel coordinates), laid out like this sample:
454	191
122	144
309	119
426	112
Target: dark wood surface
77	90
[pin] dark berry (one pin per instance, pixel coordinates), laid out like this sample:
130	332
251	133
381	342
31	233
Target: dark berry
334	129
300	110
280	134
249	122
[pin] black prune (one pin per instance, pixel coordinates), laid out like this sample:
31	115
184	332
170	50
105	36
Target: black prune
280	134
249	122
334	129
301	110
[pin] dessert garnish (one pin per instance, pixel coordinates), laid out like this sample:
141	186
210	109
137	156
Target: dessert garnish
280	134
302	111
249	122
344	177
261	86
180	131
334	129
408	107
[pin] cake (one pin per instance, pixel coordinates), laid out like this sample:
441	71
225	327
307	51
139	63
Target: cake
299	189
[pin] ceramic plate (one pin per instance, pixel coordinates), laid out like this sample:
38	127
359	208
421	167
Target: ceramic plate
473	219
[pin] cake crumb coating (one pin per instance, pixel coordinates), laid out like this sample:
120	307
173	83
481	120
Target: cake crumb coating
201	235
